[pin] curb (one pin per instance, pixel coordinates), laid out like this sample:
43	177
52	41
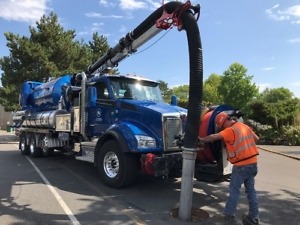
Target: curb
279	153
8	143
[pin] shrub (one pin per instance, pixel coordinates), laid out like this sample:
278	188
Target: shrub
291	135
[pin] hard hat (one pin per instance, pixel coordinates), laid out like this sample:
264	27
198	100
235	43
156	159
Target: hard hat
220	119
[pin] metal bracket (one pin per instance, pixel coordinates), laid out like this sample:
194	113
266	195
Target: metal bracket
168	20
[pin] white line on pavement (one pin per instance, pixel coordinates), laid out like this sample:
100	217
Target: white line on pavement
56	195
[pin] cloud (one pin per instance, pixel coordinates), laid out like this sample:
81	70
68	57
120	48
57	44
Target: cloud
295	40
132	4
106	3
268	68
23	10
155	4
263	87
95	27
136	4
295	83
291	14
99	15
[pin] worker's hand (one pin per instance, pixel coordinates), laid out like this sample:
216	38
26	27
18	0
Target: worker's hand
201	144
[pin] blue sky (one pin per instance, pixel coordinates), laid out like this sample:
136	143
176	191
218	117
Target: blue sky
264	36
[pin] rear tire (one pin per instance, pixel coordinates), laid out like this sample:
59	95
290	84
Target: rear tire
23	146
46	151
116	168
35	151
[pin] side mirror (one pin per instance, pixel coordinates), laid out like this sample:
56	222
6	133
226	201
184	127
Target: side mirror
174	100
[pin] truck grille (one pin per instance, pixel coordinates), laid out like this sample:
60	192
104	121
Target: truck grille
172	126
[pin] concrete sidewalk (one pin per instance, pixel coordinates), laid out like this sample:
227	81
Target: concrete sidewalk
288	151
8	137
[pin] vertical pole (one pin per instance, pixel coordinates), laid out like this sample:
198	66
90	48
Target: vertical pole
186	194
1	115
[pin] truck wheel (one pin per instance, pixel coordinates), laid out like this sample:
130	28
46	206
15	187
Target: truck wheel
35	151
116	169
24	148
45	150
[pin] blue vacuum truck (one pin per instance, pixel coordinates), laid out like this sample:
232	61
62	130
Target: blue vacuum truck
120	123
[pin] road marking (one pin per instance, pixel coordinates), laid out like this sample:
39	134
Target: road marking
128	212
56	195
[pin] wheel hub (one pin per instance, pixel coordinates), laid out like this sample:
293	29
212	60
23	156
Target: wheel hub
22	146
32	148
111	164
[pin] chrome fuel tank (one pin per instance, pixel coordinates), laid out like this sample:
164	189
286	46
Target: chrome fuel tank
46	119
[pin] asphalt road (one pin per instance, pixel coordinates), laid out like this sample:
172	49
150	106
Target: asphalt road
61	190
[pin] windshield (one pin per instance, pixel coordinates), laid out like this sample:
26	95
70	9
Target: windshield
136	89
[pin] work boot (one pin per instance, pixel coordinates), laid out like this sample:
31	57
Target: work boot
247	220
226	220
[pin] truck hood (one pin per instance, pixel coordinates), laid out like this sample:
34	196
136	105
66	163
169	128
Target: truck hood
148	118
159	107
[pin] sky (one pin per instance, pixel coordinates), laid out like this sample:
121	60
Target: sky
262	35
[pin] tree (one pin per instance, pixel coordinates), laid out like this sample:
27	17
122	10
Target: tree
165	90
182	92
276	94
98	46
236	87
211	95
259	112
49	51
276	107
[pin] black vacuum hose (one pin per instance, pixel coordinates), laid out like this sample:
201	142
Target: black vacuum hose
196	66
196	81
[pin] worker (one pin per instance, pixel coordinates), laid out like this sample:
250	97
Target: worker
240	142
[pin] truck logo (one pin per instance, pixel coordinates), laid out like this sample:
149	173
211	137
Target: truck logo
98	115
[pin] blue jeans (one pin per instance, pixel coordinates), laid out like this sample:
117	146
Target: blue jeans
242	175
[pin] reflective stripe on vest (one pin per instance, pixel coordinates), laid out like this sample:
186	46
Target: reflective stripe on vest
244	146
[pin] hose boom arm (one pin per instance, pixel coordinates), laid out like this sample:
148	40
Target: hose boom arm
163	18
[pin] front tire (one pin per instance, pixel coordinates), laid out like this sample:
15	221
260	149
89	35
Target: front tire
116	169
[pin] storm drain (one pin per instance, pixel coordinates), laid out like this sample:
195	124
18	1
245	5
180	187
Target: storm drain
197	214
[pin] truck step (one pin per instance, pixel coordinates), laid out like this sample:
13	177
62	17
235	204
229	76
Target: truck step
87	154
85	158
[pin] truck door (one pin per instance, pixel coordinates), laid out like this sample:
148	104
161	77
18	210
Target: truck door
102	115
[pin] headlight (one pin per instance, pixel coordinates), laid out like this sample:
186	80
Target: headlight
145	141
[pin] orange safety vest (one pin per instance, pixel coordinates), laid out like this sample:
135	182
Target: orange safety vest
244	147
